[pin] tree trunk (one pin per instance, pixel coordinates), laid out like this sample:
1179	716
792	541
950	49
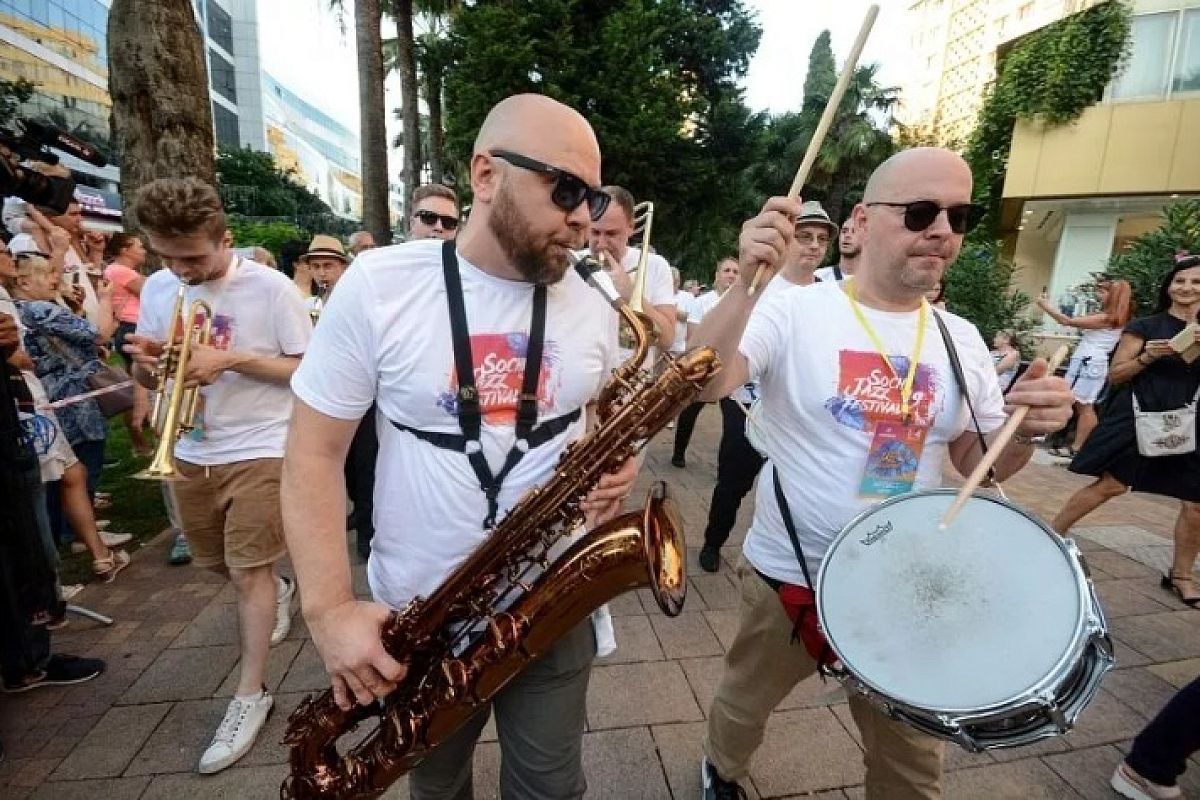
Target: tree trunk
406	58
161	118
437	135
372	119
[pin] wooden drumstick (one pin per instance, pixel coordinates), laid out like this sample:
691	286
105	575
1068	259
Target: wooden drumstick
831	107
995	449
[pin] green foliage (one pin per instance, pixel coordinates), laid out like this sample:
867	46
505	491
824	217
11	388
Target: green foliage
658	81
1051	76
12	95
251	184
271	235
1150	257
822	74
977	288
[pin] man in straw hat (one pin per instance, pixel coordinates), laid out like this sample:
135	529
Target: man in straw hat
229	503
327	261
389	336
830	398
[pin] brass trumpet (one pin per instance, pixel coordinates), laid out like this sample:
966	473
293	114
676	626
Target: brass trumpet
173	413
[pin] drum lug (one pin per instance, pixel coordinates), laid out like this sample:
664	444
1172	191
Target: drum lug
1049	702
959	735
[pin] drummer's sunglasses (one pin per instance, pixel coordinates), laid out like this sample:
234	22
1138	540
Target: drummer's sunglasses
569	190
920	214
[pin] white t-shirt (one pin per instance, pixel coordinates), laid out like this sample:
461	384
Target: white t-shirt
385	336
660	289
703	304
256	310
828	274
820	377
683	302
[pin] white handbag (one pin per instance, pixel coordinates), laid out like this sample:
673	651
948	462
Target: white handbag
1166	433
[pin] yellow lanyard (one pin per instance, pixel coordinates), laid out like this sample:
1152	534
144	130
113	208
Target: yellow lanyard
906	388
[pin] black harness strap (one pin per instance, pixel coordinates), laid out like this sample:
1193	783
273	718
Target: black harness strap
470	413
961	380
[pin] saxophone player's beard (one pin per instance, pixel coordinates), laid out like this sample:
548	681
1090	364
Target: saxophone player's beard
542	261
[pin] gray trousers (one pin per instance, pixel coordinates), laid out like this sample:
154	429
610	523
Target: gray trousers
540	718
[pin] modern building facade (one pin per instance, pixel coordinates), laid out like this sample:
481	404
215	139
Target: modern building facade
61	46
1074	195
953	45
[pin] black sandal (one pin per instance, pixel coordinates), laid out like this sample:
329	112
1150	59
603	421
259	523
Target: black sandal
1168	583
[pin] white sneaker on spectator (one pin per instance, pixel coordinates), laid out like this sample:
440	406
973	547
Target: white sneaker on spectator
285	590
102	524
109	539
69	590
1127	782
236	734
115	539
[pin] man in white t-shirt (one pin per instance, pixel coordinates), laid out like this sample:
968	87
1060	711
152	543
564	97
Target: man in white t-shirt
608	238
683	307
448	425
726	274
830	399
327	262
738	462
849	254
232	459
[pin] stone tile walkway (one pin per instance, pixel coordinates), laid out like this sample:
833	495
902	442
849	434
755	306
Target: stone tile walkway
137	731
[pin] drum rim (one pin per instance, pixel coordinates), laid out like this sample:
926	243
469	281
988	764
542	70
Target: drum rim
1053	676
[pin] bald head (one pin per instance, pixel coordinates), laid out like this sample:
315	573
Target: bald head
540	127
895	179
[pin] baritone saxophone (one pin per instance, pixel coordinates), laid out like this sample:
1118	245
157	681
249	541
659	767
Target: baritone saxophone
508	603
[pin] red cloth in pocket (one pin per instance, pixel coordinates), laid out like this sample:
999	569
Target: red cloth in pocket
800	605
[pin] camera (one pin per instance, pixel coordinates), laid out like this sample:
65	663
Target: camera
28	140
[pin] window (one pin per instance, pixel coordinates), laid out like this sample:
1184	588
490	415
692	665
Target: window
1165	58
1186	75
1146	73
225	123
223	79
220	26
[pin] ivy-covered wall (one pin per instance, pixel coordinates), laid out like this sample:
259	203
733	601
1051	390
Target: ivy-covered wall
1051	76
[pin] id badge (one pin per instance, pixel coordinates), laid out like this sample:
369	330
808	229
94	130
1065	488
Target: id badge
893	459
197	433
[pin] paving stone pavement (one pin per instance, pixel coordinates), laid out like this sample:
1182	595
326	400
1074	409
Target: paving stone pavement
138	730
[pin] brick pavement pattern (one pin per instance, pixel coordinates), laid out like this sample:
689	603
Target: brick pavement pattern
138	730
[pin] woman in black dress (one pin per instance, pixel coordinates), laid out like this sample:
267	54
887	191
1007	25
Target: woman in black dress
1145	363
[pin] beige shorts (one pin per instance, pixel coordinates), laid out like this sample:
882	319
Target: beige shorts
231	512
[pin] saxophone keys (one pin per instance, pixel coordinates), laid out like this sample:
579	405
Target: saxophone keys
507	631
457	680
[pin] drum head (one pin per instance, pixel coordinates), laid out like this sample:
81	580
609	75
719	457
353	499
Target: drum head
954	620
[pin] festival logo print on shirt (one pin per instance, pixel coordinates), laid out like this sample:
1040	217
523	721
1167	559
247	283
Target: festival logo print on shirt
869	392
499	360
222	339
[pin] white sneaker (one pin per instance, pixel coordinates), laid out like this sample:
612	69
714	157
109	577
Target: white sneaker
115	539
68	591
1128	783
236	733
285	590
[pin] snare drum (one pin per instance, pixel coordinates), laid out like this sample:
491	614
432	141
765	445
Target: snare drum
987	633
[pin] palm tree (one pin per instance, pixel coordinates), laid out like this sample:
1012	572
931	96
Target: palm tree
858	140
406	66
372	116
161	117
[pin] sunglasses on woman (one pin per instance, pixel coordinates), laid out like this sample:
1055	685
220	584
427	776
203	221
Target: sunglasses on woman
569	190
431	218
920	214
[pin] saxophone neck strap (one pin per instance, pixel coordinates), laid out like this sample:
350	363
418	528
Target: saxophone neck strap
470	411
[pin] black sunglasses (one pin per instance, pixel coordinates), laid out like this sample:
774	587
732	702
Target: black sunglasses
431	218
920	214
569	190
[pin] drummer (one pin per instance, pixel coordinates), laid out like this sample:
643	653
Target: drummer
859	403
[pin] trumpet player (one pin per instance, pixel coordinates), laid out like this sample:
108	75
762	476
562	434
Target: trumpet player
327	262
389	336
231	455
